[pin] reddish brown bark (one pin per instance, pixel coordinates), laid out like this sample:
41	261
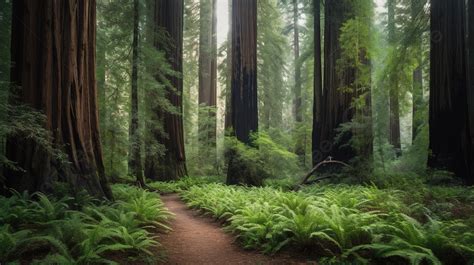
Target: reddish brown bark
168	16
53	54
336	105
471	66
244	84
318	96
450	131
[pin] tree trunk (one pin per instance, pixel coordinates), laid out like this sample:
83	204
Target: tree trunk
168	16
450	142
336	106
207	73
393	83
53	54
228	108
244	85
5	28
471	66
318	96
299	147
134	156
417	8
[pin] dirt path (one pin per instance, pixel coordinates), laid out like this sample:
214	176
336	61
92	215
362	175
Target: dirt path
200	240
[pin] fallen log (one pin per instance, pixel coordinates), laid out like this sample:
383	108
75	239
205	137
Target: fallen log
328	160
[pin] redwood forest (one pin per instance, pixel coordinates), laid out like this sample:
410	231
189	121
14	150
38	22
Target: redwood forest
237	132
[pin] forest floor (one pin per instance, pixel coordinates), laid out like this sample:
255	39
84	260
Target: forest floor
196	239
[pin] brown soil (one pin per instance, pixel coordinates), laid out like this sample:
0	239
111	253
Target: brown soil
200	240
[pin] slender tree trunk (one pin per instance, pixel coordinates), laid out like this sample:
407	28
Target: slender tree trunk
53	54
244	85
336	106
299	148
450	130
318	91
393	83
228	108
417	8
134	157
207	73
168	15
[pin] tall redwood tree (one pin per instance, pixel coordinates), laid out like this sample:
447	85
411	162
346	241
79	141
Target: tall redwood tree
168	16
244	84
450	130
470	9
208	72
393	83
53	65
336	105
134	156
318	91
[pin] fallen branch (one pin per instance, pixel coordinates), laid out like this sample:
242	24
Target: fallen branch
327	161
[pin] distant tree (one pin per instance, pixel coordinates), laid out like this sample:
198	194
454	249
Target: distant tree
134	156
449	120
297	103
393	81
271	63
416	12
53	58
244	84
228	69
207	73
168	16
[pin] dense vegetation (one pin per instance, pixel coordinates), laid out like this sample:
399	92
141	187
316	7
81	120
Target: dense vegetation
340	223
340	130
60	229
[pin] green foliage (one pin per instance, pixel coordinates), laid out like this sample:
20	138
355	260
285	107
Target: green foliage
114	45
343	223
89	235
184	183
202	157
272	63
268	160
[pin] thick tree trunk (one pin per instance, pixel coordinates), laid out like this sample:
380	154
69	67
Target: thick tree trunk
5	28
207	73
53	54
318	91
450	142
416	9
244	85
393	83
336	106
134	157
471	66
168	16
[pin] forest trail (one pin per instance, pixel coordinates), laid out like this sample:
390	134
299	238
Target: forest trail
200	240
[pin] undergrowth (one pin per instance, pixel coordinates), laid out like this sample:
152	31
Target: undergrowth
40	229
342	223
183	183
